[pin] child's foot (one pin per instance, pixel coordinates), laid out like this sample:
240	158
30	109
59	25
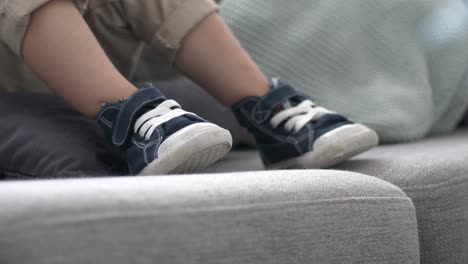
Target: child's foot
158	137
293	133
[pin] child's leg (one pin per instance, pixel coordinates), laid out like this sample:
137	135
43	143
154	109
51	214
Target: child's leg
291	131
69	59
211	56
190	33
60	49
155	135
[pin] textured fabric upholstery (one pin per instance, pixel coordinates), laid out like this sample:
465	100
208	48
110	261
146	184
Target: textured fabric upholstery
433	172
270	217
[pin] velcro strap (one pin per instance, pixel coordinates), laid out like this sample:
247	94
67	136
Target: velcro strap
128	113
278	96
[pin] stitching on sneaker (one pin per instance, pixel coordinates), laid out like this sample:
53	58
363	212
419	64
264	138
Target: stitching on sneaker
258	110
311	135
155	156
269	133
106	122
145	146
142	148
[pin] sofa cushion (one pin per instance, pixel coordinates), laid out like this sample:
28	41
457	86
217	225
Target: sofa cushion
42	137
272	217
433	172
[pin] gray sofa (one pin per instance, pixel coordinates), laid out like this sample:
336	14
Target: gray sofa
264	217
404	203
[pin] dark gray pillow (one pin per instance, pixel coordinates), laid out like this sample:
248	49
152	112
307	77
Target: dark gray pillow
42	137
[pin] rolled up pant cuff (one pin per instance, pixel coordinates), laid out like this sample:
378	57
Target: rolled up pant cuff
184	18
15	17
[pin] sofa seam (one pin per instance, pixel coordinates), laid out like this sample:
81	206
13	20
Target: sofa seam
446	184
117	214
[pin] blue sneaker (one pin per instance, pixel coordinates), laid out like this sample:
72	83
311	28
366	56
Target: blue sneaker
292	132
157	137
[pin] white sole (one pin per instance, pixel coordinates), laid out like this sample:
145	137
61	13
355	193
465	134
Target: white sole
190	149
333	148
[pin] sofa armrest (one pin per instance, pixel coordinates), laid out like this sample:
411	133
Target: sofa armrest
263	217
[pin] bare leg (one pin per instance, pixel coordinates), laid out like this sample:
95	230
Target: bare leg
61	50
214	58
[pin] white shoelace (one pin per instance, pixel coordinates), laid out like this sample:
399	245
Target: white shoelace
147	123
299	116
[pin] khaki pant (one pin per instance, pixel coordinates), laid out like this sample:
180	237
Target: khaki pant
139	36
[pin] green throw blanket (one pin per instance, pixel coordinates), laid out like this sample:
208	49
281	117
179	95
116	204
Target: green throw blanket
399	66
